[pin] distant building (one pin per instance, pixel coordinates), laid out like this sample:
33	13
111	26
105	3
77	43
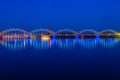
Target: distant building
0	34
48	30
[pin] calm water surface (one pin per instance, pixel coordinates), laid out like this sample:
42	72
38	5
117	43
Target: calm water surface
63	59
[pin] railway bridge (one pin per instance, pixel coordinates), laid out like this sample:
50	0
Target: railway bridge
15	33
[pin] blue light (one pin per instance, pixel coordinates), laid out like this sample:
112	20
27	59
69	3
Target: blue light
28	37
97	38
77	36
54	37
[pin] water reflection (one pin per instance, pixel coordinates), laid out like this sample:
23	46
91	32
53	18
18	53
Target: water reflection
109	43
87	43
40	44
66	43
15	44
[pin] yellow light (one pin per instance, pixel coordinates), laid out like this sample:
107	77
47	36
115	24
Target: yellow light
33	37
45	38
118	34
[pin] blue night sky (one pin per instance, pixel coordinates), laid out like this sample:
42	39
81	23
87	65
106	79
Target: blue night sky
59	14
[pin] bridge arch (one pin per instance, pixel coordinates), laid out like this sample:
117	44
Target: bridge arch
42	31
15	31
68	31
88	31
109	31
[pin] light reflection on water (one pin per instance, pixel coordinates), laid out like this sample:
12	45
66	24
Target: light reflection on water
58	43
88	43
109	43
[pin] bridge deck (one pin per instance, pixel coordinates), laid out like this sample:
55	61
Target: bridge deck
62	36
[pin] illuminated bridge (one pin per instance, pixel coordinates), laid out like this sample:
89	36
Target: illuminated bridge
66	33
88	33
109	34
14	33
38	33
46	34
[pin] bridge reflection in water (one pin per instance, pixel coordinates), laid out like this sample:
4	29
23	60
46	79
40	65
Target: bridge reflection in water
87	43
16	44
109	43
40	44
